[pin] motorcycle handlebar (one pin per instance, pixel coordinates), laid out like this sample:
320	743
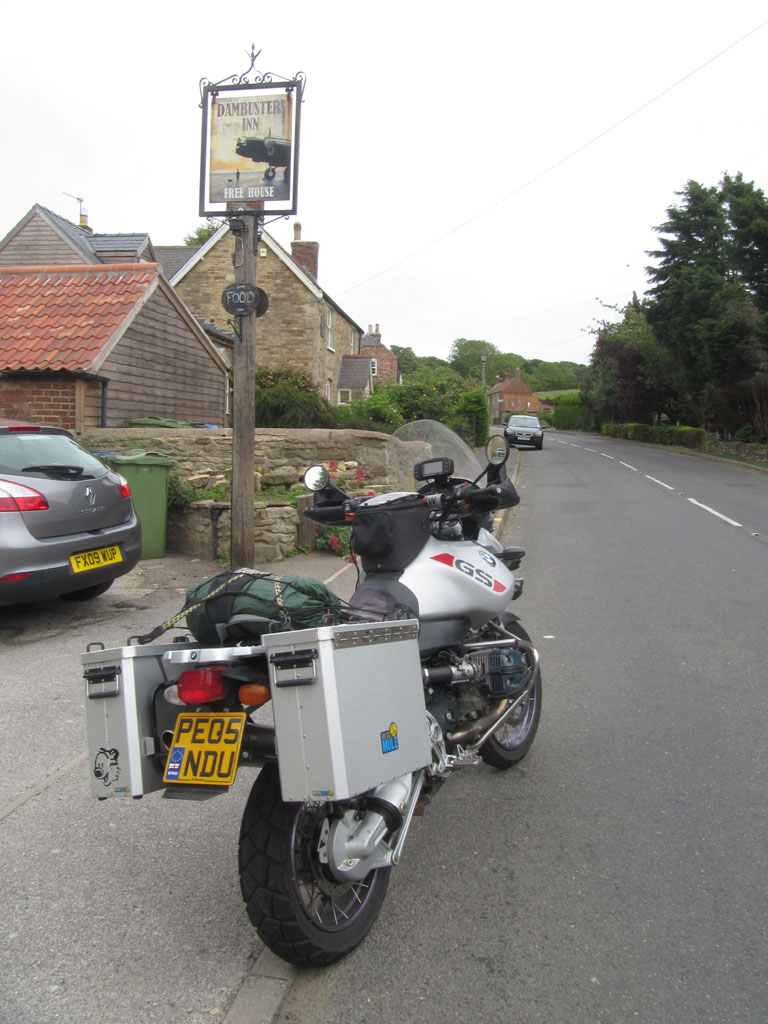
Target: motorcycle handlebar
330	515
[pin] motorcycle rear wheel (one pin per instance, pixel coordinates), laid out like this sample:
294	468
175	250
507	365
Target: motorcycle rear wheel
512	741
298	908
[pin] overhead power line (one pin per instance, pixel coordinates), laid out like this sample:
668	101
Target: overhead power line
558	163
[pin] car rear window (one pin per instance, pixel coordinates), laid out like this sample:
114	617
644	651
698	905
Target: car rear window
52	455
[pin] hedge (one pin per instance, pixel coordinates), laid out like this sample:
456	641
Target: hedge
682	437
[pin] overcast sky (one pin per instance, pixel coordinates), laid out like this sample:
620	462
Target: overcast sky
479	170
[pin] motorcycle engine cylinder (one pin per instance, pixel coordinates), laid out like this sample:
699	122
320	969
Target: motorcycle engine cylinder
506	670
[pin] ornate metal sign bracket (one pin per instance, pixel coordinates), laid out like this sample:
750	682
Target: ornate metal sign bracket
267	78
249	161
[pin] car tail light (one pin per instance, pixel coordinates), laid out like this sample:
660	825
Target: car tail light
14	577
201	685
18	498
125	490
24	428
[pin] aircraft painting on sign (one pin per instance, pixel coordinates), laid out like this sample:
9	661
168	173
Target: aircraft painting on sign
274	152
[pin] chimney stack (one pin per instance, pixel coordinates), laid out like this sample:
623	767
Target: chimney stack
305	253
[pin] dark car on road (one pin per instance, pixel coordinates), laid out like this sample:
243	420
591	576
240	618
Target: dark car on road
67	523
525	430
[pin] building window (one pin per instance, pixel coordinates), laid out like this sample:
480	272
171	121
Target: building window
328	390
374	367
345	396
329	329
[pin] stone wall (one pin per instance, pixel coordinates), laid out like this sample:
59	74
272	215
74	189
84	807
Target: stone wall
204	461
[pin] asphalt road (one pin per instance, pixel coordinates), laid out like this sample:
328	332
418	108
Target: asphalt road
619	874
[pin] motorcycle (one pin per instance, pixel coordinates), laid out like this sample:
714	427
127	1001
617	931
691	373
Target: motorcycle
424	672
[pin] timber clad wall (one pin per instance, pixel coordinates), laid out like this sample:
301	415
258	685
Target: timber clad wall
152	370
37	244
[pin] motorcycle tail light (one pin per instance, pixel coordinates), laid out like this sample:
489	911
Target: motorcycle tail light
252	694
18	498
201	685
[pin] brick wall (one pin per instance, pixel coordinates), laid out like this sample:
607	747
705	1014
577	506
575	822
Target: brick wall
39	399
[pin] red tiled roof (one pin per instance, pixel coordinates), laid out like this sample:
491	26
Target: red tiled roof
61	317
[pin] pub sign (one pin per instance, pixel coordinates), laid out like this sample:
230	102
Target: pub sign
250	147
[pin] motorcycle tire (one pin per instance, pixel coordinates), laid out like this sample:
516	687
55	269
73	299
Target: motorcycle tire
512	741
300	911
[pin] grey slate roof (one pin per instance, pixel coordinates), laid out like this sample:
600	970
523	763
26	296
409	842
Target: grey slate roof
173	257
98	246
354	372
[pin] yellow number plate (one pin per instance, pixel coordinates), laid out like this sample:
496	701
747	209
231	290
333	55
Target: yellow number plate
95	559
205	749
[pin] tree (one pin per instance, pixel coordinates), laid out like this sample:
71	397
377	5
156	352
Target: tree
202	233
409	361
470	416
707	289
428	394
630	375
748	239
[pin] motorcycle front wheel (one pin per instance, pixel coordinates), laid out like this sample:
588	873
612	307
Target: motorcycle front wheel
512	741
296	905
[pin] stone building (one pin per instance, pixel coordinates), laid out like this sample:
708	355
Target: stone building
304	328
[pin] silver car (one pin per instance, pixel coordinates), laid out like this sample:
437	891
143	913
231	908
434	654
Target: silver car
525	430
67	523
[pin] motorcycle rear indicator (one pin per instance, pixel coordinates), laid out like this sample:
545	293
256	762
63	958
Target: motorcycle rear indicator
202	685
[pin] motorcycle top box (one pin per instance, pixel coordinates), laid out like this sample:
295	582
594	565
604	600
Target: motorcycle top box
349	708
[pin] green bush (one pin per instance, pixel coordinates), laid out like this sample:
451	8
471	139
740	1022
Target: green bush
682	437
180	495
745	434
285	406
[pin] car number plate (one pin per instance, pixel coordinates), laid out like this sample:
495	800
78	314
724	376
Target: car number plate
95	559
205	749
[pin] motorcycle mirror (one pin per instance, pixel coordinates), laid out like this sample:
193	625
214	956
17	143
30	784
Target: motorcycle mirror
497	450
316	478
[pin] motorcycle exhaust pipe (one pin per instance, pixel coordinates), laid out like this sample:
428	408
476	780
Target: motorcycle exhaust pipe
476	730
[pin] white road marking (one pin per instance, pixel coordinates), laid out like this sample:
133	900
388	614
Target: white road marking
659	482
337	573
669	487
714	513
